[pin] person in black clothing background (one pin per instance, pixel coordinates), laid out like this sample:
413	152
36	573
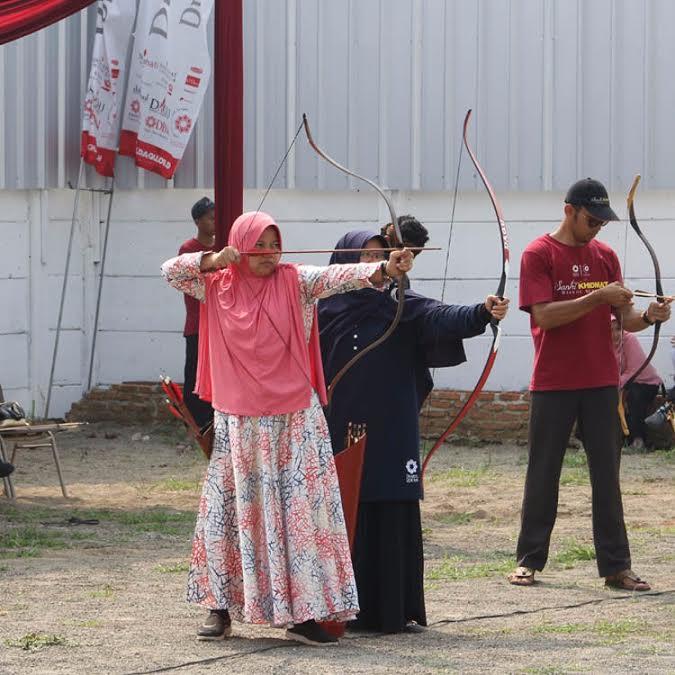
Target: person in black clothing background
203	214
414	234
388	555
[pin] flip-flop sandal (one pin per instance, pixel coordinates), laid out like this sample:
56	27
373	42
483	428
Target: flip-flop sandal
627	581
521	576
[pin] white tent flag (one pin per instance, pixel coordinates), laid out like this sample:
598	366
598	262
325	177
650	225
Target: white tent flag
170	71
103	101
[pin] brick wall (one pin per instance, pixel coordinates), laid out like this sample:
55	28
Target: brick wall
495	417
129	402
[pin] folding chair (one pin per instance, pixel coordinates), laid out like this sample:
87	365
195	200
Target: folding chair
27	437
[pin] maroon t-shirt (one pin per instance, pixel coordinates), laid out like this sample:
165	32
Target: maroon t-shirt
191	304
578	355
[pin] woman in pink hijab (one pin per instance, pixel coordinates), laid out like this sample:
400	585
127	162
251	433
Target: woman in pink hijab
270	545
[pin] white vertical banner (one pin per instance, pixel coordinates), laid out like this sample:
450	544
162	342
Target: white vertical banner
170	71
103	101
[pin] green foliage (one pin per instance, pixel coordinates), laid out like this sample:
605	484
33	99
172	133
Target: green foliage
460	477
574	552
34	641
105	592
178	485
27	541
172	569
574	476
456	568
454	518
575	459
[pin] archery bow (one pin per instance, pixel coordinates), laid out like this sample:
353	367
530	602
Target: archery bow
494	323
630	200
402	281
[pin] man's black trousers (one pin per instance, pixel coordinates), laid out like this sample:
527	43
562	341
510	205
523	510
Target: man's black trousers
201	411
552	417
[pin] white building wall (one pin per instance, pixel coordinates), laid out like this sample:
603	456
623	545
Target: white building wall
141	317
560	89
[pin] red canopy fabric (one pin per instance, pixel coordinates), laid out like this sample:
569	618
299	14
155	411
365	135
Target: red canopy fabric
21	17
228	116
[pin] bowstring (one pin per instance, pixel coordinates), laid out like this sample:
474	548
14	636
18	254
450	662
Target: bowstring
257	295
622	410
445	274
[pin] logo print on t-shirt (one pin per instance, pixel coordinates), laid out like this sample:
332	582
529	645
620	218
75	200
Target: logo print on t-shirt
411	471
581	270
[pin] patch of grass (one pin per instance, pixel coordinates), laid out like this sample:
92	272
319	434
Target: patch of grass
574	476
460	477
177	567
455	568
455	518
657	530
616	631
572	553
666	455
91	623
4	568
177	485
34	641
610	632
30	539
172	523
575	459
106	592
82	536
29	514
564	628
26	542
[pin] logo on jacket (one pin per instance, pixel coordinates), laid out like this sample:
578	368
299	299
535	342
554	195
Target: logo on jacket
411	471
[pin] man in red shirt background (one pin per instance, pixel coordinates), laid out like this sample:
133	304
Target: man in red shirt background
203	214
571	284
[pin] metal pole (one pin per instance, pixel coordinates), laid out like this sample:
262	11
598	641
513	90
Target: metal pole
100	284
63	289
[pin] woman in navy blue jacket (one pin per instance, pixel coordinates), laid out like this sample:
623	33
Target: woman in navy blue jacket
388	554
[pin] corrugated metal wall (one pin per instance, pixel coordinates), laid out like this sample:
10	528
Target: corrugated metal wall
560	89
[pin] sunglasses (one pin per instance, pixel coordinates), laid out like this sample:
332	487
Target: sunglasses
592	222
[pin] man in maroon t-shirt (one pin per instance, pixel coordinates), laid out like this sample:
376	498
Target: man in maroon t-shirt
203	214
570	284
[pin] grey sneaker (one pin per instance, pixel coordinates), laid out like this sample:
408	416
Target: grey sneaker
217	626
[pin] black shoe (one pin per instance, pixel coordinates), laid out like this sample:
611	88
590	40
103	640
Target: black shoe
217	626
310	633
414	627
6	469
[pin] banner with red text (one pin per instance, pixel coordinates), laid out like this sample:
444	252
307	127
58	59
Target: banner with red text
170	71
103	101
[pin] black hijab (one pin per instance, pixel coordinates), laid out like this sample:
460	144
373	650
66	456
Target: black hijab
339	313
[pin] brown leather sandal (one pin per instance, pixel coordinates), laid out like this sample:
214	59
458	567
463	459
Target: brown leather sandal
521	576
627	581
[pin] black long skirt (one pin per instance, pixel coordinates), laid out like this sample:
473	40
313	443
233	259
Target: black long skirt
388	562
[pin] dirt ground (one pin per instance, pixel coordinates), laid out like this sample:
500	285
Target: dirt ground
108	597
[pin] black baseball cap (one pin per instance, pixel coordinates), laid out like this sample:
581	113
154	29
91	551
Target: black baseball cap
204	205
592	195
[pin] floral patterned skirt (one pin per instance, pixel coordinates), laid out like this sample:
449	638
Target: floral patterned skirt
270	543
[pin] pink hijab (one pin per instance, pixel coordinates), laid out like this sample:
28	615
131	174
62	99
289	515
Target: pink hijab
254	359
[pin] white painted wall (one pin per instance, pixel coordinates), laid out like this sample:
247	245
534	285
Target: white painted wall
141	318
